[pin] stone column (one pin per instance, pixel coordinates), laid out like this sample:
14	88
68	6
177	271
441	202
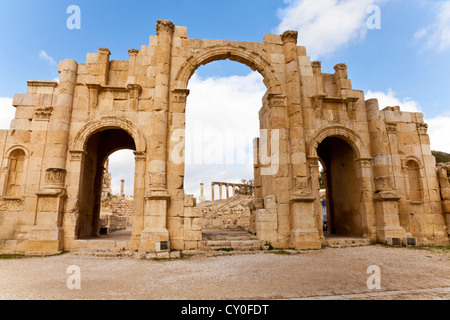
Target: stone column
220	191
157	197
122	186
202	193
385	197
304	232
138	199
295	112
47	235
227	186
158	180
212	191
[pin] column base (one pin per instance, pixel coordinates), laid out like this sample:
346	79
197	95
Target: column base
43	239
154	240
383	233
305	238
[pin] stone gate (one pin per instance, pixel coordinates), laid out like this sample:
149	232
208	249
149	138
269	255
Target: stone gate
381	178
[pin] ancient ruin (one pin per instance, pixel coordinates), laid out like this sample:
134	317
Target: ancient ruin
382	181
235	188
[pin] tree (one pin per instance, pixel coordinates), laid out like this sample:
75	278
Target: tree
441	157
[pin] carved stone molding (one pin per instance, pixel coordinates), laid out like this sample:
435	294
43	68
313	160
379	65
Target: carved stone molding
133	51
139	156
316	64
104	51
391	127
289	36
340	66
422	128
43	113
349	102
180	95
77	155
165	26
134	90
382	183
277	100
55	176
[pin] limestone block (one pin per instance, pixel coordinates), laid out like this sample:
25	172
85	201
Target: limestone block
265	215
446	206
190	201
193	235
196	224
270	202
267	235
191	245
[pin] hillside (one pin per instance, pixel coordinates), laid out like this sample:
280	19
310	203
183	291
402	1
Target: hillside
441	157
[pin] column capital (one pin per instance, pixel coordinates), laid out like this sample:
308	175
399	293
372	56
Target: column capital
139	156
289	36
165	26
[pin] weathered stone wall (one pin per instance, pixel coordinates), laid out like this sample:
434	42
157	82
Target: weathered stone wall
443	172
113	222
118	206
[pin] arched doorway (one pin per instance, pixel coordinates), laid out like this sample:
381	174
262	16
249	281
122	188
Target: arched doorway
98	147
343	196
272	98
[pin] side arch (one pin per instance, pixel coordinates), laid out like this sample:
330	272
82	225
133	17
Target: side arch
236	53
109	122
348	135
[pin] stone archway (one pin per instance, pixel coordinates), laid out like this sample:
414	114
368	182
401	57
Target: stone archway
232	52
109	122
91	147
345	157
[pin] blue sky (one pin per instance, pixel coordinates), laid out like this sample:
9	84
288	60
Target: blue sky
405	62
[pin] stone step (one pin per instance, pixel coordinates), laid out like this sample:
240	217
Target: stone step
103	254
100	249
243	238
232	243
342	243
229	248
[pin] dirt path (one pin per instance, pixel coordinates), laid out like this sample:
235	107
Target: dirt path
322	274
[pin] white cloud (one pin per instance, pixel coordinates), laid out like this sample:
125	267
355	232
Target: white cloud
121	166
436	36
7	111
390	100
326	25
439	132
438	127
44	56
221	122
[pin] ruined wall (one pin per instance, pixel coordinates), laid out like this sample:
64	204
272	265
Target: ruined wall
118	206
443	172
230	214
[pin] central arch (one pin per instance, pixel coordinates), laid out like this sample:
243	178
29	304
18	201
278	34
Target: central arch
236	53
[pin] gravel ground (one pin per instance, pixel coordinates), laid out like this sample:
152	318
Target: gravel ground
323	274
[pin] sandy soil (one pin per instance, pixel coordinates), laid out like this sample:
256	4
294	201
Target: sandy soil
323	274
